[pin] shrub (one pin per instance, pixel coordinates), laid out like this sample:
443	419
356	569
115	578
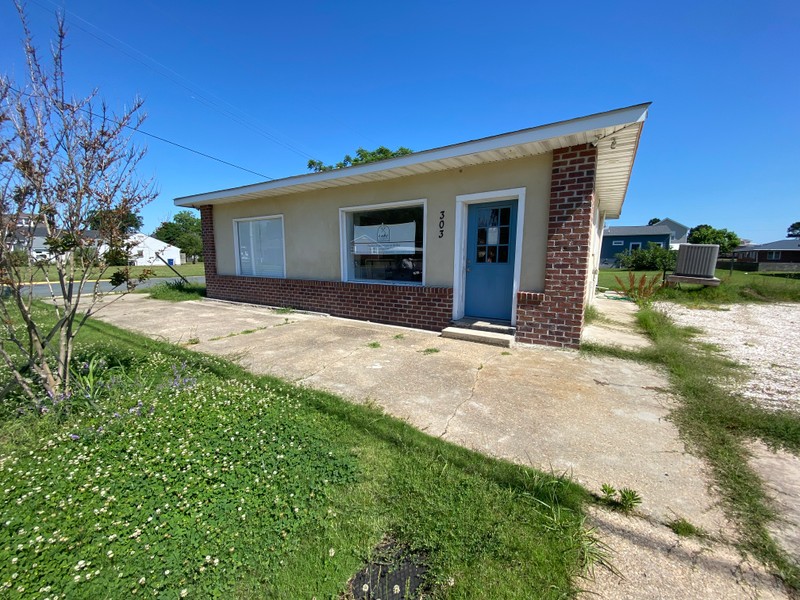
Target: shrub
652	258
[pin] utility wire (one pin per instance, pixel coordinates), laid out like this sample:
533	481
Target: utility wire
158	137
198	93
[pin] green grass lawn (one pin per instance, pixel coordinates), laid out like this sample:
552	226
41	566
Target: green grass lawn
736	287
188	270
169	473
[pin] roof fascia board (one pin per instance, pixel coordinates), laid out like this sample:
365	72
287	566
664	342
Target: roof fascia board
597	122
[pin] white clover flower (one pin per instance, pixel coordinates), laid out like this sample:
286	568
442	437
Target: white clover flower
365	587
142	581
331	552
166	572
396	589
184	593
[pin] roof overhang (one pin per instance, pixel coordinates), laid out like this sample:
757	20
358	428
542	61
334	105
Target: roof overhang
615	134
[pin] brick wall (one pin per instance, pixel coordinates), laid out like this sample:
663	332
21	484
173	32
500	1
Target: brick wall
412	306
209	244
555	317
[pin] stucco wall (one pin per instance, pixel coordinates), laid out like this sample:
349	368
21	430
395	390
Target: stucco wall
311	219
598	223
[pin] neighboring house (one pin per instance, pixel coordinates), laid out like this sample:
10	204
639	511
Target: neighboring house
679	232
783	255
145	251
617	240
18	238
505	228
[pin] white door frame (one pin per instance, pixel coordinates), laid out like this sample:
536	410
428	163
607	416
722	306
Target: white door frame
460	263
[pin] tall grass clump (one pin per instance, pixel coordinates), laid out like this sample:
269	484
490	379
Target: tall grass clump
176	291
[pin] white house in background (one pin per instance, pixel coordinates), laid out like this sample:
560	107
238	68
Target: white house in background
144	251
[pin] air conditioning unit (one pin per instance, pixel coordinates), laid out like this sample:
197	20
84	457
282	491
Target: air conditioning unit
697	260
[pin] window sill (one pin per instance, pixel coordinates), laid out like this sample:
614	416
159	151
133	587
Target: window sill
386	282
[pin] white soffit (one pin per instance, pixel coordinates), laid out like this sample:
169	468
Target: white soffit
618	128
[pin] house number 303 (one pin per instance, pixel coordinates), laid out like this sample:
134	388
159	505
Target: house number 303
441	224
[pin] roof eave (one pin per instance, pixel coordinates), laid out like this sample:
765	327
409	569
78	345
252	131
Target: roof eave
585	127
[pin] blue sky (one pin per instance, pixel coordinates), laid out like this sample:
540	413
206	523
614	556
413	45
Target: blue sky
268	85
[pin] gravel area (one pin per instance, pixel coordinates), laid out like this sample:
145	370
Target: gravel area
764	337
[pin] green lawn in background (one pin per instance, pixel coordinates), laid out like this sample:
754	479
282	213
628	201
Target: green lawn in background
737	287
169	473
161	270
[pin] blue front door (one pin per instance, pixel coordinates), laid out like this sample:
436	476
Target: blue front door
491	234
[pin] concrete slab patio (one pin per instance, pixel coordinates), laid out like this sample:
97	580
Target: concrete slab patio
598	420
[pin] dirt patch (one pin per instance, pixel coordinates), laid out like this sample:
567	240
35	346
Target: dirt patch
392	572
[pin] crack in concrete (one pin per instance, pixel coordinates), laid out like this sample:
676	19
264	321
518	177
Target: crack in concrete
330	364
468	398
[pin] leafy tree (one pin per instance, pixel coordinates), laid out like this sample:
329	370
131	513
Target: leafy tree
794	230
183	231
653	221
362	157
62	160
130	221
652	258
705	234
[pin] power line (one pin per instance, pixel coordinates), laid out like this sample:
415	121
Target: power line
162	139
198	93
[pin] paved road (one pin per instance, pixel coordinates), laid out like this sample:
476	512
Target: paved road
43	290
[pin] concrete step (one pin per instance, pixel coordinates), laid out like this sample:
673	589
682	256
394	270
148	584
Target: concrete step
489	326
475	335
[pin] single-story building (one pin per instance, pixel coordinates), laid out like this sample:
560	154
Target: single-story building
505	228
783	256
617	240
145	250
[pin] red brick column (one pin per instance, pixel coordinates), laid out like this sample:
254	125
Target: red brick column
555	317
209	245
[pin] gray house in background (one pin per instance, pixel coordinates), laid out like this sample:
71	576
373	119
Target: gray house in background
679	232
628	238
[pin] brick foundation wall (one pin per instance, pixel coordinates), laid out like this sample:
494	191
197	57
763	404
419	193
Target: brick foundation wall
411	306
555	317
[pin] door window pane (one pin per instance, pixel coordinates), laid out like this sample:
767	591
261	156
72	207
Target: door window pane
493	235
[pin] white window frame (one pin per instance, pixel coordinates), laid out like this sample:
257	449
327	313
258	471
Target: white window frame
460	254
638	246
617	242
344	254
236	244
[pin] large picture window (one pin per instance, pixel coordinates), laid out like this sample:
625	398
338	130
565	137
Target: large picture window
259	247
384	243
